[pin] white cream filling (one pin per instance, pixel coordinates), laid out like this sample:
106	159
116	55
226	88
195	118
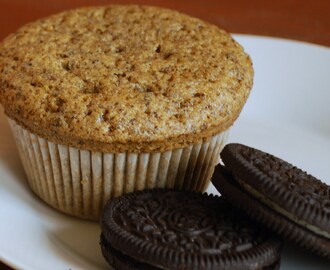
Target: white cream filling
284	212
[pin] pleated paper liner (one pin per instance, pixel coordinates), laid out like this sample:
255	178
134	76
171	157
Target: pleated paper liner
80	182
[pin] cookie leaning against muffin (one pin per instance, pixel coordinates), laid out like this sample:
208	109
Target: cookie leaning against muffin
107	100
276	194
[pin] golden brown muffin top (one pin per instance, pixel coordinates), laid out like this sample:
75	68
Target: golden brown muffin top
123	78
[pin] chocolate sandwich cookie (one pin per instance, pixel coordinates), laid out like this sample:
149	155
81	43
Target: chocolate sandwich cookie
170	229
277	194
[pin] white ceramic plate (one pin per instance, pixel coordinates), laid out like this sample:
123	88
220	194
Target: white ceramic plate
287	114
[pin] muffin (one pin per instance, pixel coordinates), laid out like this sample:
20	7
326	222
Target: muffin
104	101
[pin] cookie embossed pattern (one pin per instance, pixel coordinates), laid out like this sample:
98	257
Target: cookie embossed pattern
311	194
190	226
184	230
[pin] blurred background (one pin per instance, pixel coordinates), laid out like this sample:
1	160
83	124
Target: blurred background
306	20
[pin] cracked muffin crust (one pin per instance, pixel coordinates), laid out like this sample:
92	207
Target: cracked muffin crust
123	78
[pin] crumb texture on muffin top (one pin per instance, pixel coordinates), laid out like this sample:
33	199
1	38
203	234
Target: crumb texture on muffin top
123	78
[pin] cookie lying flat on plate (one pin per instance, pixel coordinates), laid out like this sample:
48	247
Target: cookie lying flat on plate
169	229
277	194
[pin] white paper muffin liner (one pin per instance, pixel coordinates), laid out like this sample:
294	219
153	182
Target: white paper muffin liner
80	182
